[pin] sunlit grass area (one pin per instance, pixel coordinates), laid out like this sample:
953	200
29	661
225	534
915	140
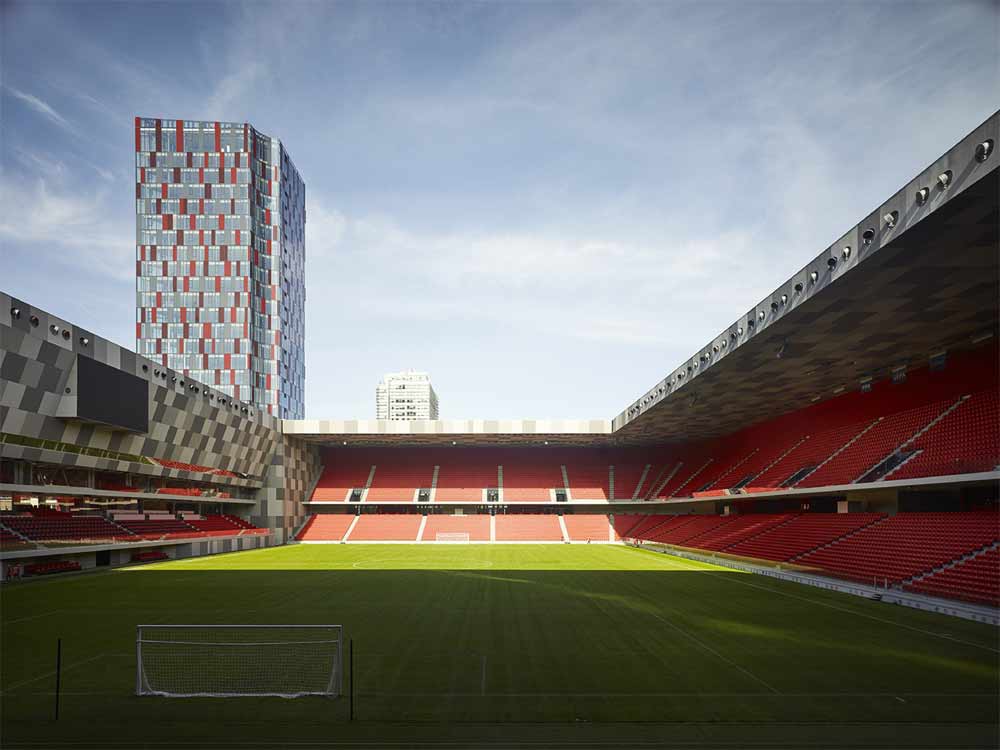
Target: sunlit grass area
502	634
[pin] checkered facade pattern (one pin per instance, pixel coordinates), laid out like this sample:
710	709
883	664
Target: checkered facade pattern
220	259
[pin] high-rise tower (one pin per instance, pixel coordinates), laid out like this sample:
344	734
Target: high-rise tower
220	259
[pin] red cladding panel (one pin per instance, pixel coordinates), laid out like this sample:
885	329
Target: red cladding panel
138	137
180	135
159	135
218	137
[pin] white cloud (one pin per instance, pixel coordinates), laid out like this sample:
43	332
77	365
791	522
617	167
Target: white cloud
41	107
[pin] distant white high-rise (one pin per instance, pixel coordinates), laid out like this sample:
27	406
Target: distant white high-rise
406	395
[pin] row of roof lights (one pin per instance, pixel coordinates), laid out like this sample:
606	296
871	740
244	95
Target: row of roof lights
983	151
15	313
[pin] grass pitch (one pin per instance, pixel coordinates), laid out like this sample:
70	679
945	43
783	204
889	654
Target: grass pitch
487	644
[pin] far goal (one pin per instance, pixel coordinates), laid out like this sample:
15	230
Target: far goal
454	537
190	661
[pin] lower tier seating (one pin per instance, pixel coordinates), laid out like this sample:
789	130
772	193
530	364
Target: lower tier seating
476	526
373	527
584	527
325	527
803	533
739	529
528	528
150	556
976	579
55	566
905	545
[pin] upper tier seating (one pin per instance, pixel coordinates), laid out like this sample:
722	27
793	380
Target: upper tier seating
974	580
811	452
905	545
476	526
65	526
325	527
465	478
386	528
528	528
803	533
589	481
529	477
873	446
966	440
399	475
342	475
584	527
627	476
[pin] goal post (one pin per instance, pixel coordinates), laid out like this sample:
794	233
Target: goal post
192	661
452	537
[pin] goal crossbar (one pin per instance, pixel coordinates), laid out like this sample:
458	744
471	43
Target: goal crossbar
187	661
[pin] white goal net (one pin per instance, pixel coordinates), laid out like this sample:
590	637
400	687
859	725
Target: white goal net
187	661
455	537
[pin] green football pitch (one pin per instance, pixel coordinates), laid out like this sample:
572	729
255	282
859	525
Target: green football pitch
504	645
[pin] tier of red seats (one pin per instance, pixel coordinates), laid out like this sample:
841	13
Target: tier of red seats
905	545
9	540
966	440
739	529
398	475
342	472
217	523
465	477
325	527
476	526
974	580
64	526
874	445
150	556
374	527
165	525
528	528
54	566
589	481
801	534
687	528
593	527
627	476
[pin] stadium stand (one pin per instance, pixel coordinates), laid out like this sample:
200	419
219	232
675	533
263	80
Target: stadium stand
964	441
342	472
325	527
528	528
389	527
589	527
529	476
58	526
974	579
476	526
740	529
154	525
216	523
803	533
149	556
628	474
589	480
688	528
399	474
905	545
465	477
47	568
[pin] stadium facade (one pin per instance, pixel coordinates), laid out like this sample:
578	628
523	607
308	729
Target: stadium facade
863	389
220	259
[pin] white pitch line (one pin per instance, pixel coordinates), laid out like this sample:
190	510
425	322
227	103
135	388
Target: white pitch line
34	617
862	614
16	685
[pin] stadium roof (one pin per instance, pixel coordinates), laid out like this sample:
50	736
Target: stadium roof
916	277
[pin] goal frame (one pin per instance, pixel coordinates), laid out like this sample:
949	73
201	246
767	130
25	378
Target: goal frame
333	688
466	538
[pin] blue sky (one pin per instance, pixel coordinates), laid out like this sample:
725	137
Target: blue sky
546	206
